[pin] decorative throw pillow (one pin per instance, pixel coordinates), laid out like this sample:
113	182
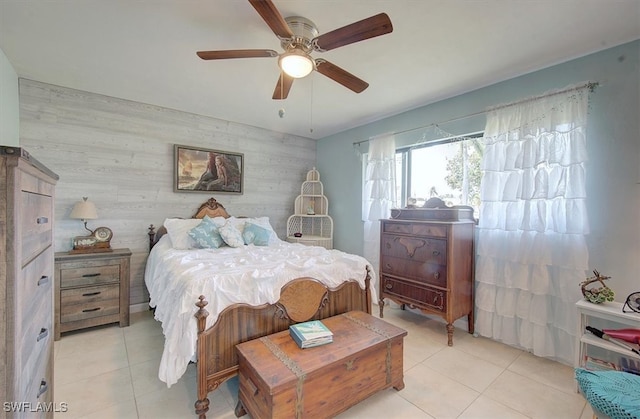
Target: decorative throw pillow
238	223
231	235
218	221
206	234
256	234
178	230
262	222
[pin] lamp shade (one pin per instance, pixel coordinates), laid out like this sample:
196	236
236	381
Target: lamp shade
84	210
296	63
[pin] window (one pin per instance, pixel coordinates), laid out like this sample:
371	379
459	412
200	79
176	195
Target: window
448	169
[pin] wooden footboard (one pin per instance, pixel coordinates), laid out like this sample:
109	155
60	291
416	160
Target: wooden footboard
217	358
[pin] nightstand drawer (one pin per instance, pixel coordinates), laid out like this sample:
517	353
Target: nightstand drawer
89	302
94	274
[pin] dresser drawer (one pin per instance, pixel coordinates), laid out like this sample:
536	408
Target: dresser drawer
93	273
421	296
36	224
36	184
39	387
428	273
34	341
419	229
32	373
432	230
89	302
418	249
34	284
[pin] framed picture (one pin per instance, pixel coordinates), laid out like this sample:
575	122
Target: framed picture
204	170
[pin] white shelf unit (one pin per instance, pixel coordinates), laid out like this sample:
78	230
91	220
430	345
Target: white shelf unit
610	312
311	215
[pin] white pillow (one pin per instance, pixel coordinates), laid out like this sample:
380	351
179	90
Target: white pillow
236	222
231	235
239	224
218	221
178	230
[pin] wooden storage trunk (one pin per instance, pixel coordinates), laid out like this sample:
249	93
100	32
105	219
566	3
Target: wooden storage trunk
280	380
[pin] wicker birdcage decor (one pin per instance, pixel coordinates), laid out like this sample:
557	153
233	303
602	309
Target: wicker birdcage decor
597	294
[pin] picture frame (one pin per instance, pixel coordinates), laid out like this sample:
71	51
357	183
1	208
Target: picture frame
204	170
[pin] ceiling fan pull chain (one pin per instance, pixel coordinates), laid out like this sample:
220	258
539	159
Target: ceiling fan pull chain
311	108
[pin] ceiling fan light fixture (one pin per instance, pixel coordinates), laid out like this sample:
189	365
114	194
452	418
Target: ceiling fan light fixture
296	63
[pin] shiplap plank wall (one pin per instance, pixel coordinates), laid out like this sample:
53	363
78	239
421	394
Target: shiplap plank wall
119	153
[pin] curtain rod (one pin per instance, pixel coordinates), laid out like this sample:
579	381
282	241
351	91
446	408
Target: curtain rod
590	85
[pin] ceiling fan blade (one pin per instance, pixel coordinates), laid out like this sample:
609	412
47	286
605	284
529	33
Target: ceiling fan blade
341	76
236	53
283	86
272	17
371	27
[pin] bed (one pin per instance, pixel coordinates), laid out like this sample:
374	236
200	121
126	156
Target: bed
210	299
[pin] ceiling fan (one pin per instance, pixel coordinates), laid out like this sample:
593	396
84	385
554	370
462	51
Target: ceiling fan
298	38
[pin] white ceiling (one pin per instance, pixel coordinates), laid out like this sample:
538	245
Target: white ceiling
146	51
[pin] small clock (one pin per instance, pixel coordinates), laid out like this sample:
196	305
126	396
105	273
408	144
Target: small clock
98	241
103	234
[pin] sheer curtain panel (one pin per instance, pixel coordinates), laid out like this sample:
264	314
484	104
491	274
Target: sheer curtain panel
378	194
531	249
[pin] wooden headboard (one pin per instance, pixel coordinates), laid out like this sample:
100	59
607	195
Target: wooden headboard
211	207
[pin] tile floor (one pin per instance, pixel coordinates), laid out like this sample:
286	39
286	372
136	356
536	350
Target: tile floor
111	372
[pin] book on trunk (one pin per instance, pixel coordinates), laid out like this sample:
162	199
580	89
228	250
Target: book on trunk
310	334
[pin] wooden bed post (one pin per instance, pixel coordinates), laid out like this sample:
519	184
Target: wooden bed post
152	236
202	404
367	284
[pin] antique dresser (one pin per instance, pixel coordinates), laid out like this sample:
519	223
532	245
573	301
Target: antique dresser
26	284
426	261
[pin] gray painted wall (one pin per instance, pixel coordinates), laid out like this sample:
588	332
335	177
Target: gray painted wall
120	154
613	144
9	103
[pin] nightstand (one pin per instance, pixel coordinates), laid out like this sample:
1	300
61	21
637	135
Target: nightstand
91	289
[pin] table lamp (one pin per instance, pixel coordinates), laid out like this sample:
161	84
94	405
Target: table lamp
99	240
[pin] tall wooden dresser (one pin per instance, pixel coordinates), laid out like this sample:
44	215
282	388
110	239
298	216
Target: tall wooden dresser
26	285
426	262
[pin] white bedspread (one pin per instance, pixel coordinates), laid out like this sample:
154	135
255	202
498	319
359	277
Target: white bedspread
252	274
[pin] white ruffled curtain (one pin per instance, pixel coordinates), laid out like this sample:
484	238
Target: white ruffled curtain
531	249
378	194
